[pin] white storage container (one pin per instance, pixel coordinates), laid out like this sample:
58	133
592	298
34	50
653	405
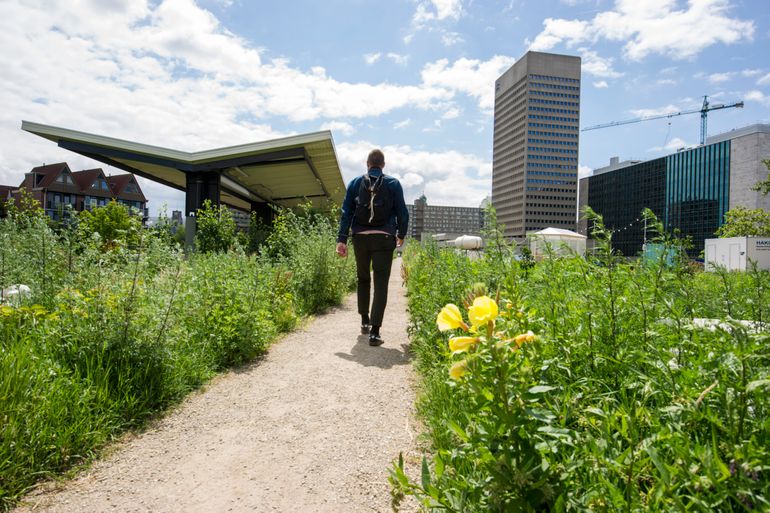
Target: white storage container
734	253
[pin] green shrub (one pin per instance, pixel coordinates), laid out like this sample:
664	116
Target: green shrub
215	229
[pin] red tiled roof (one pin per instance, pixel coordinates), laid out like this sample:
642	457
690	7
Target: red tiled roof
119	182
85	178
50	172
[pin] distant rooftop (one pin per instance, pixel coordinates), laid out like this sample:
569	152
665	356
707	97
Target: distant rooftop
614	164
758	128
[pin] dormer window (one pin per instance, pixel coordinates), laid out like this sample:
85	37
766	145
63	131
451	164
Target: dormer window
100	184
132	188
64	178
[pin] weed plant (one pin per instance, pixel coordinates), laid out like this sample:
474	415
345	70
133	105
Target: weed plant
114	333
637	389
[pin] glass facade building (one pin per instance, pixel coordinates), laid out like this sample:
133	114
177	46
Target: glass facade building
689	191
620	196
698	190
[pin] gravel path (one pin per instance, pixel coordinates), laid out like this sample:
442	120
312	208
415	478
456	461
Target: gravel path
312	427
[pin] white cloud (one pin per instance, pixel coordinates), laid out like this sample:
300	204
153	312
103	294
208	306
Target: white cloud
168	73
666	81
651	27
751	72
430	15
597	66
602	84
398	58
584	171
451	38
757	96
437	10
718	78
447	178
659	111
470	76
402	124
339	126
452	113
558	30
764	80
371	58
673	145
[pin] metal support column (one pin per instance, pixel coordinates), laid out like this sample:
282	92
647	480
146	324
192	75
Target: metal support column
201	186
264	212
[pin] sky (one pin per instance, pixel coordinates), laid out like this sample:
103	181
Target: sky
412	77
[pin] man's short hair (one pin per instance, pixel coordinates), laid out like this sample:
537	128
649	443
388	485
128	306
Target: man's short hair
376	159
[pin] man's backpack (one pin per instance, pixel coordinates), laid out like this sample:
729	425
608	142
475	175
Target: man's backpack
374	203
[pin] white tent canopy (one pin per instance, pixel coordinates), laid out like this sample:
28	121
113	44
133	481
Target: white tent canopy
561	241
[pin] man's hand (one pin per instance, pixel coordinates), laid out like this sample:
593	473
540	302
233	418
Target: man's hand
399	242
342	249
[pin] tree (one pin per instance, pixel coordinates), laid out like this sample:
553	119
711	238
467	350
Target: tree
114	224
742	222
27	211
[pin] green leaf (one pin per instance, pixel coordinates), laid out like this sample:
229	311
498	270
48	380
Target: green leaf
458	430
662	469
540	389
438	465
753	385
425	474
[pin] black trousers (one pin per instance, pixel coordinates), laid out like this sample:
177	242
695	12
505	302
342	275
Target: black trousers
375	251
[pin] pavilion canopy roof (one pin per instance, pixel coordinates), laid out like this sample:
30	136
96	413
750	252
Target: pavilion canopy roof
284	172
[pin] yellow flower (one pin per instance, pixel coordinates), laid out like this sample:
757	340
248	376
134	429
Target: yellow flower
524	337
458	369
450	318
484	309
461	344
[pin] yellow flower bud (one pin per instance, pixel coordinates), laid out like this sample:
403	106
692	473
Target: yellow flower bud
484	309
524	337
462	344
458	369
450	318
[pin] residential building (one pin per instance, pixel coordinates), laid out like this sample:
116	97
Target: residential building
535	147
6	195
427	219
56	186
690	190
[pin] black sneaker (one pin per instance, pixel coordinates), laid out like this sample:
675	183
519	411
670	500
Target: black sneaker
365	329
375	340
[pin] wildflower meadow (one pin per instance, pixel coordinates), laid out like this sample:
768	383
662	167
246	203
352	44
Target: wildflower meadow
121	324
588	383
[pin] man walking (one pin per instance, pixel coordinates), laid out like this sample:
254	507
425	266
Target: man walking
375	210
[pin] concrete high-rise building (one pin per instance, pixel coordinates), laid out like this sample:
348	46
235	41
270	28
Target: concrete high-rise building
451	222
535	149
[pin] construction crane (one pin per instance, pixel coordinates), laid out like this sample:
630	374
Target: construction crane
704	110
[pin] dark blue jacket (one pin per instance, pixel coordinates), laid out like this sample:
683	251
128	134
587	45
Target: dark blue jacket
399	218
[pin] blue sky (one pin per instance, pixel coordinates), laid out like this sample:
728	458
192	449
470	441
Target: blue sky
414	77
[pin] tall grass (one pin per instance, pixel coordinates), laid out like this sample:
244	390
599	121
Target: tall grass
109	339
624	403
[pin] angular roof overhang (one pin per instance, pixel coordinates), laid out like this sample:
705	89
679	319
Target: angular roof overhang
284	172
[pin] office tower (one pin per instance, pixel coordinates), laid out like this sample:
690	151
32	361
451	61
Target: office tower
535	149
690	190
